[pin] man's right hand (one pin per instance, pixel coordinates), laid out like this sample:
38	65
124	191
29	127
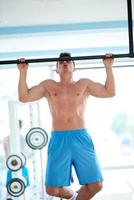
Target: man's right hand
22	66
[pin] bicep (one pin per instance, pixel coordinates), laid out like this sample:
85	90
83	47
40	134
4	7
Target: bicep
36	92
97	89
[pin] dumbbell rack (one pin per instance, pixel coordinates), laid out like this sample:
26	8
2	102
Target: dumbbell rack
36	139
37	156
14	142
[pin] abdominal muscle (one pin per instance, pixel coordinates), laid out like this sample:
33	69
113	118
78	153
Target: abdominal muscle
67	123
67	118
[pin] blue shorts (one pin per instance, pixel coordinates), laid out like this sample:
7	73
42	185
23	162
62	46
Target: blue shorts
71	148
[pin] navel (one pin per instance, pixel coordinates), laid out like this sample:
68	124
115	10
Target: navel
78	94
69	120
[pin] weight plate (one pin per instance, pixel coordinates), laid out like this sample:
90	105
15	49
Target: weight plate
36	138
16	187
14	162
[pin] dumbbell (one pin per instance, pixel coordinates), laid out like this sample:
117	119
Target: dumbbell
15	162
16	186
36	138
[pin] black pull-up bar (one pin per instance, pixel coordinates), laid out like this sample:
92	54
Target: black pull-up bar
130	54
37	60
130	27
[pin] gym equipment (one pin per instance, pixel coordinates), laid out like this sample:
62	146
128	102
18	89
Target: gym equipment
23	157
16	187
91	57
14	162
130	54
36	138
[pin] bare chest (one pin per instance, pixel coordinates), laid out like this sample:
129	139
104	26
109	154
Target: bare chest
66	93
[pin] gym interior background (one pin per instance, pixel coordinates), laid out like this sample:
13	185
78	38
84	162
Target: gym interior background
42	29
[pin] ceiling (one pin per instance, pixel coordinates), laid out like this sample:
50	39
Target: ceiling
37	12
42	28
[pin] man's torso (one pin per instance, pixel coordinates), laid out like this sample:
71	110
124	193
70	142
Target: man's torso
67	104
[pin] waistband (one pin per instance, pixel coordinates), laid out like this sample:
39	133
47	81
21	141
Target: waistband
70	132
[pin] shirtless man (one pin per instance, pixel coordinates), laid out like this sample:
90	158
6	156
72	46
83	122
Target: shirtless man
70	143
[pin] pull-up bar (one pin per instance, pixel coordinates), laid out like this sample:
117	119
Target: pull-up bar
130	54
37	60
130	26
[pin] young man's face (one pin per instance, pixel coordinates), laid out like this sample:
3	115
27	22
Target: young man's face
65	66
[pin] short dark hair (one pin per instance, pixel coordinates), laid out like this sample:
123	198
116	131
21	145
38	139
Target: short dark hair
65	55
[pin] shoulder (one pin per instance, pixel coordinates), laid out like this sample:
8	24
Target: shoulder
44	86
85	81
88	84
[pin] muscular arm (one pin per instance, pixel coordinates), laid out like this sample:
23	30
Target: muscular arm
26	94
29	94
108	89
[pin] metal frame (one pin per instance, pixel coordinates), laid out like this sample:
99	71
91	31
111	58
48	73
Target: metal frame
130	28
130	54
